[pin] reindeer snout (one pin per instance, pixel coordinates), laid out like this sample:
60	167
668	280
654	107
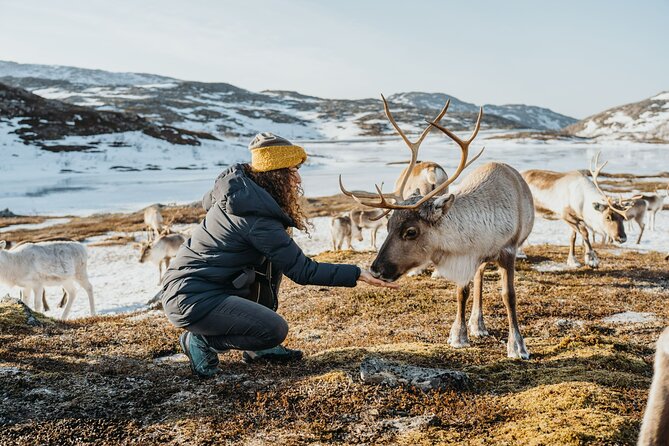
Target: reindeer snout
622	239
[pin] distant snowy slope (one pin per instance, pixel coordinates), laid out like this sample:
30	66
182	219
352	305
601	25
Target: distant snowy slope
647	121
227	111
531	116
77	75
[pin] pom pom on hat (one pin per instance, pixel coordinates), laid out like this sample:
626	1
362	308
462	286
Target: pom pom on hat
272	152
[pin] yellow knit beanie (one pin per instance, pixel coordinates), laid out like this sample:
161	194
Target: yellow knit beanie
272	152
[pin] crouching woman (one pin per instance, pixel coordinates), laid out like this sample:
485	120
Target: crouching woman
223	284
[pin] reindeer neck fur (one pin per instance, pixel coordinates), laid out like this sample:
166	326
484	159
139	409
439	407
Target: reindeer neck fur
482	221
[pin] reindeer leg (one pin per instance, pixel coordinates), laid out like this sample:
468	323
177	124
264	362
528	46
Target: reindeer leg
476	326
63	300
515	345
590	257
71	294
458	336
374	231
44	302
37	297
571	260
24	294
642	226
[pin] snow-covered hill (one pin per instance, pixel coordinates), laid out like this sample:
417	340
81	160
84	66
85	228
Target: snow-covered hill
646	121
227	111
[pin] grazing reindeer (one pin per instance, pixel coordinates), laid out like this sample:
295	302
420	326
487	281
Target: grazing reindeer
572	197
635	210
424	178
340	228
161	251
153	220
32	266
367	219
489	217
655	424
655	203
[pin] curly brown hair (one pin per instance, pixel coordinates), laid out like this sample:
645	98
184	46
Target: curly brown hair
279	185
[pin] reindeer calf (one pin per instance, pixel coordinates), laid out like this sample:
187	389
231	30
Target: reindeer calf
161	251
340	228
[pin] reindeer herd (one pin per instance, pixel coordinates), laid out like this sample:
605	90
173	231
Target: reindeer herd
33	266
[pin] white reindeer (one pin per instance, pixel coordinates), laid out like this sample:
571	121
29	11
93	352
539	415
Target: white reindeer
367	219
655	424
655	204
32	266
340	228
486	220
153	220
423	178
635	210
161	251
580	203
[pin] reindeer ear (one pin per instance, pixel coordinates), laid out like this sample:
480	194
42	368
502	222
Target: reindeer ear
434	210
599	207
3	244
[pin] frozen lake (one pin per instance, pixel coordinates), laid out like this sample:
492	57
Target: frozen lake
128	178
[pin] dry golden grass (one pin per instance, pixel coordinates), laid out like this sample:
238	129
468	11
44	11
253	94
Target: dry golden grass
97	379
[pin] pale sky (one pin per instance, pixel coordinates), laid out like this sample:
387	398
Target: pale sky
575	57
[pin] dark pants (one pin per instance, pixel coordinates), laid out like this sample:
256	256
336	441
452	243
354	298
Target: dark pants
240	324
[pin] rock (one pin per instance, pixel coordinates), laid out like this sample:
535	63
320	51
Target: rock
409	424
30	316
6	213
379	371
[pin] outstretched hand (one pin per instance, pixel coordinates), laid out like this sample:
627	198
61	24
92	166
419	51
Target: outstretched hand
366	276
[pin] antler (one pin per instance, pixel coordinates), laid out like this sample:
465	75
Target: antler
464	147
595	173
397	195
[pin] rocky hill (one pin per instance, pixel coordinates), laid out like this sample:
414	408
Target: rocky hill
227	111
644	121
43	121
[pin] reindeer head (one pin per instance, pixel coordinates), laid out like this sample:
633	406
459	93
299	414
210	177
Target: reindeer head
411	228
145	252
612	215
412	234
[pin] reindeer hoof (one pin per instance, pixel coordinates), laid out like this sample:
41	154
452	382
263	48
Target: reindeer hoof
517	350
436	275
477	331
573	263
459	339
591	260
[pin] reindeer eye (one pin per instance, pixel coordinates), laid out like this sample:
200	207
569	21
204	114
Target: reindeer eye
410	234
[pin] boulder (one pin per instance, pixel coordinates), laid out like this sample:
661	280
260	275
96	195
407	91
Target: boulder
379	371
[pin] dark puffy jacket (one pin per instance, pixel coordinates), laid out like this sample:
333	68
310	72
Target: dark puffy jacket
243	227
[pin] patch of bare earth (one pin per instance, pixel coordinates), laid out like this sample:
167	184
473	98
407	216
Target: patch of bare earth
120	380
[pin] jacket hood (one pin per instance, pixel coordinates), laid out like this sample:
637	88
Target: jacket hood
240	195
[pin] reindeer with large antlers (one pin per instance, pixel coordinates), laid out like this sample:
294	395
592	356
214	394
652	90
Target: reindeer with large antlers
581	203
486	220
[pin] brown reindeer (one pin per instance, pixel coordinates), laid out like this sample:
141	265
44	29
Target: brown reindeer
489	217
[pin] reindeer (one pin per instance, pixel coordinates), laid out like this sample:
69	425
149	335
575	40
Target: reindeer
572	197
340	228
655	424
486	220
32	266
635	210
655	204
161	251
367	219
153	220
424	178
